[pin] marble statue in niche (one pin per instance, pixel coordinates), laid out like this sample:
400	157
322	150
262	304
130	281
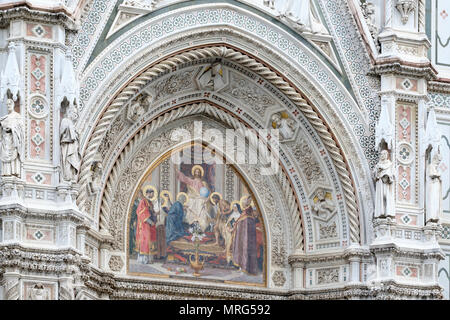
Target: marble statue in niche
70	155
434	189
189	229
284	124
384	170
11	141
384	177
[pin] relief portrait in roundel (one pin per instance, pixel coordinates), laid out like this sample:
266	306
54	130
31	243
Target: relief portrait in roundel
196	220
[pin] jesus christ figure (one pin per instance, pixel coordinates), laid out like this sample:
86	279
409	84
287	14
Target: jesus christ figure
197	205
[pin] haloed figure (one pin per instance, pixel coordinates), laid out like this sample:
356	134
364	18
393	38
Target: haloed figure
146	226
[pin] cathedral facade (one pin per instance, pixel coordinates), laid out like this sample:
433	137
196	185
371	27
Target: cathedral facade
236	149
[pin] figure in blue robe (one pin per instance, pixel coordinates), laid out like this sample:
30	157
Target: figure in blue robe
174	222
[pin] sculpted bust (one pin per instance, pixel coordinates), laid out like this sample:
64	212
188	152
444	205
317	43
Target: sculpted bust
11	137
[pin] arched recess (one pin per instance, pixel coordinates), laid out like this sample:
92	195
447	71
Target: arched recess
271	77
278	209
216	248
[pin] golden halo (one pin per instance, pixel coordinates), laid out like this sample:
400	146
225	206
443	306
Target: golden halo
284	115
155	192
182	193
166	194
210	197
235	202
197	167
241	202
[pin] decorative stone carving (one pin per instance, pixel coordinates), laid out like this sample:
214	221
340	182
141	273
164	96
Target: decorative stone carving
96	176
213	77
12	289
384	177
323	206
278	278
38	292
327	231
68	87
434	189
70	155
308	162
406	7
115	263
11	137
284	124
368	11
327	275
384	131
145	4
244	90
10	77
138	107
173	85
298	14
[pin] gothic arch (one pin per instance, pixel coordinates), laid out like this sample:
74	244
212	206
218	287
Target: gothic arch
320	108
162	68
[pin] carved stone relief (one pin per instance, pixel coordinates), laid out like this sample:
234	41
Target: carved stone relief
311	168
249	93
278	278
327	275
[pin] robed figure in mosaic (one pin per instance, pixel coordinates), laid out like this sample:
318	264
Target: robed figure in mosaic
244	239
174	220
11	137
70	155
146	226
198	192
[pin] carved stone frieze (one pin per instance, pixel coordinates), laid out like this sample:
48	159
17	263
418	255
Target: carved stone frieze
327	275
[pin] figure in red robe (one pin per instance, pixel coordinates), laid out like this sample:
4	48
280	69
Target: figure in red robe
146	227
244	245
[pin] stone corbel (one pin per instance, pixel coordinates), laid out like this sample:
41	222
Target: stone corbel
405	7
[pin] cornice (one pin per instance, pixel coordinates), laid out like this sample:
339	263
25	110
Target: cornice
405	68
23	10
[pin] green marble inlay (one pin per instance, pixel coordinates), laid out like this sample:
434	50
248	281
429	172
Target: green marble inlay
103	42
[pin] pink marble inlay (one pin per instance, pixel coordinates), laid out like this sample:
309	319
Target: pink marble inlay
39	30
38	77
404	183
37	139
404	123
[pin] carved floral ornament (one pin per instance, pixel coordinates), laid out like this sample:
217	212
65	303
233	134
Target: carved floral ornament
406	7
265	73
